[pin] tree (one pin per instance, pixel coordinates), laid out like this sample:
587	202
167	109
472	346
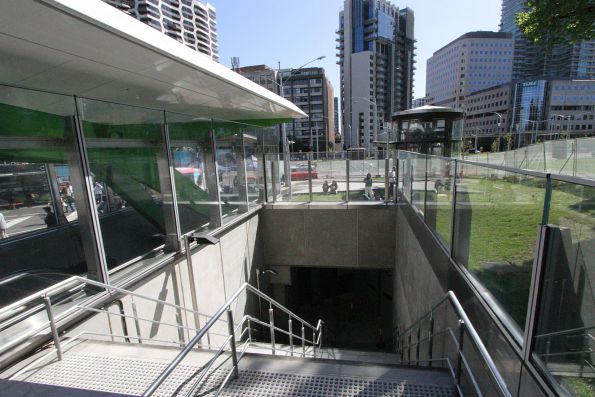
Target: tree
551	22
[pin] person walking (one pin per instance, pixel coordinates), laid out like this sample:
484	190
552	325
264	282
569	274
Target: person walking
368	187
392	179
3	227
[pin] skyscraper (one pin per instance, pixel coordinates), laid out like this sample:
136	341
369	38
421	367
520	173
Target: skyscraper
376	56
187	21
565	60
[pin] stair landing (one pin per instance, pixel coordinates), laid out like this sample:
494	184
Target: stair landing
130	368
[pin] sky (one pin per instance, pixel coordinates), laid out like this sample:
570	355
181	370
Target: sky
294	32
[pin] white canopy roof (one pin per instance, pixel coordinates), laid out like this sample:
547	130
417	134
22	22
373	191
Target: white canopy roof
90	49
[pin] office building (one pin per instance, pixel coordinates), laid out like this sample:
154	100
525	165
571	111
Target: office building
261	75
565	60
418	102
187	21
532	109
311	91
487	111
473	62
376	54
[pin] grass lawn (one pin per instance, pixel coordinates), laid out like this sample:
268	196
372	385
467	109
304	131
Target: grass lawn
504	221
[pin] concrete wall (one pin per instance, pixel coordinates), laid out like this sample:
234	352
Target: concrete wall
219	270
350	236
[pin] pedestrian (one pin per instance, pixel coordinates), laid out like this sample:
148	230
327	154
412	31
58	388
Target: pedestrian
392	179
368	187
333	187
325	187
50	218
3	227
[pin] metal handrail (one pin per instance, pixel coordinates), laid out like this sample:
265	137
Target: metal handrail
73	282
564	332
465	325
226	308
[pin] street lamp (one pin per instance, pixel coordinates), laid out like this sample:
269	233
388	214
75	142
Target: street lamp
499	128
283	130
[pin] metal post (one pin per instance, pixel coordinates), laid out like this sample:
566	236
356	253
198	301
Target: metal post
310	175
53	327
249	331
418	346
290	329
274	180
136	321
232	342
314	342
409	348
272	327
303	341
453	210
460	353
431	340
386	182
191	281
347	180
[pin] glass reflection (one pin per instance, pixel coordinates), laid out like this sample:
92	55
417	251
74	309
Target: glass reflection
194	172
40	192
125	146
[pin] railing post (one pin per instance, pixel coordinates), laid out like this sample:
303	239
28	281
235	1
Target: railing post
460	353
53	327
418	346
409	348
232	342
386	179
431	339
303	341
249	331
136	321
272	327
347	180
314	342
290	329
310	176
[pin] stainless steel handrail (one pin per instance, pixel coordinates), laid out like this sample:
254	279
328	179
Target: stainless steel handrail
466	326
225	308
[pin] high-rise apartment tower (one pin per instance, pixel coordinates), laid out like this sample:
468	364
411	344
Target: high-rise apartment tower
376	56
187	21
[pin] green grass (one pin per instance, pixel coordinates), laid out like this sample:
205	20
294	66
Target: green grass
505	217
581	387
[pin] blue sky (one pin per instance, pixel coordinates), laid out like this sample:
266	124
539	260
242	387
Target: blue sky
297	31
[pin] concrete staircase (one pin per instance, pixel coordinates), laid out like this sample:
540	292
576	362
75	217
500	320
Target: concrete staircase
99	367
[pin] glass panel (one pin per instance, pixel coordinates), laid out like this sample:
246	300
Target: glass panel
366	179
439	196
230	167
585	157
300	186
565	332
194	172
418	182
253	155
497	214
329	177
125	146
535	157
560	157
40	191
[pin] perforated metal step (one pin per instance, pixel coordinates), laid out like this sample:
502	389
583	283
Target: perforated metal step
130	370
